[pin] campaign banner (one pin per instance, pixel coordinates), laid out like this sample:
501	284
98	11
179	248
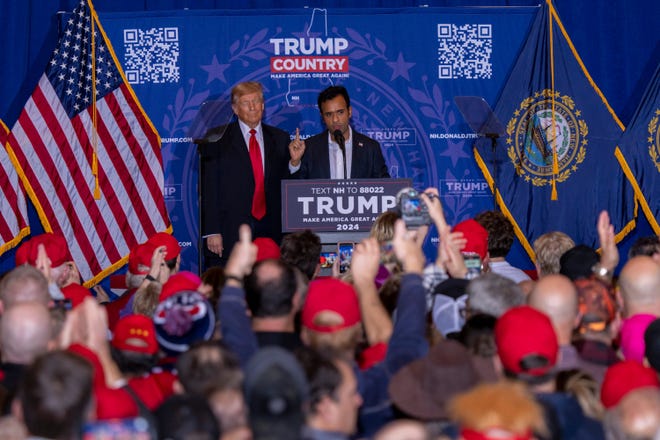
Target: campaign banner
337	205
402	68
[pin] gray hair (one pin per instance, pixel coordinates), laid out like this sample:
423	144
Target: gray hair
493	294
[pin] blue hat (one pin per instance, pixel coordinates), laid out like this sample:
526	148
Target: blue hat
183	319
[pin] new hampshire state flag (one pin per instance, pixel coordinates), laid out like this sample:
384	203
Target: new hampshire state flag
640	145
556	164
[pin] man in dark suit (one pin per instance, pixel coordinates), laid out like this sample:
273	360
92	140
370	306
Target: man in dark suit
322	156
241	173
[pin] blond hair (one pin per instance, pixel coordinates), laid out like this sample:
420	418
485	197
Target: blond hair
549	248
383	228
245	88
146	301
504	405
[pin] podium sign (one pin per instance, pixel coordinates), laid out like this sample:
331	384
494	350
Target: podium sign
337	205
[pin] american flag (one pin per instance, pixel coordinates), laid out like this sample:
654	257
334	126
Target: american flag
88	155
13	218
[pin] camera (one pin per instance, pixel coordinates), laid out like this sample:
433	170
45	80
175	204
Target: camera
414	211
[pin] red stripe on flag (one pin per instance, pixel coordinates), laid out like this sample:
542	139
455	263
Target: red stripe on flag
153	184
106	238
11	197
152	136
35	181
118	162
56	181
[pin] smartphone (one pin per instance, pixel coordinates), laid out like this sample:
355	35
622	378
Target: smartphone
414	211
345	252
129	429
387	253
328	259
473	264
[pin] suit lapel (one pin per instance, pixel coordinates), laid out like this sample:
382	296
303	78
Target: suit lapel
358	159
323	160
238	145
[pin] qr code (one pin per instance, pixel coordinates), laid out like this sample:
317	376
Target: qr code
465	51
151	55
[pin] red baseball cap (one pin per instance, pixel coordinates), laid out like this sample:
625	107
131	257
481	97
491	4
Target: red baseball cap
476	236
266	248
521	332
179	282
76	293
140	256
164	239
54	244
330	294
624	377
135	333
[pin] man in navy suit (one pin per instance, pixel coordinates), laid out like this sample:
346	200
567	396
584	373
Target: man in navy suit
322	156
242	166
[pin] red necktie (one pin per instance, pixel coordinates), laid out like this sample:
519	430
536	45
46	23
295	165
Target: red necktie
259	197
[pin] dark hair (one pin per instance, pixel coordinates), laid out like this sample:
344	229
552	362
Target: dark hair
273	295
389	293
208	366
645	246
323	375
530	362
478	335
303	250
185	417
133	363
171	263
55	395
214	277
331	93
500	232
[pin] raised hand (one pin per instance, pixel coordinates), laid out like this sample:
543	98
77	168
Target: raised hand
296	149
609	257
243	255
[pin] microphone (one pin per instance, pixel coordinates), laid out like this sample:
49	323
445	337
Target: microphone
339	138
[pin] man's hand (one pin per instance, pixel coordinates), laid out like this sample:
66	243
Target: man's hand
450	257
43	262
407	250
609	256
157	269
214	244
296	149
365	261
431	198
242	256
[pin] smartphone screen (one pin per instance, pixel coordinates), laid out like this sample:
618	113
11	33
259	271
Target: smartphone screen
387	253
345	251
328	259
473	264
129	429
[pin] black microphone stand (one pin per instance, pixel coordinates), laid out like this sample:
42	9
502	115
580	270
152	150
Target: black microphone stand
339	138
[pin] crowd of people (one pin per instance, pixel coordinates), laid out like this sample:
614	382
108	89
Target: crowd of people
397	347
265	348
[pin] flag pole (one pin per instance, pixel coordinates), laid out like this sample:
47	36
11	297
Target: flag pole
95	162
555	162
